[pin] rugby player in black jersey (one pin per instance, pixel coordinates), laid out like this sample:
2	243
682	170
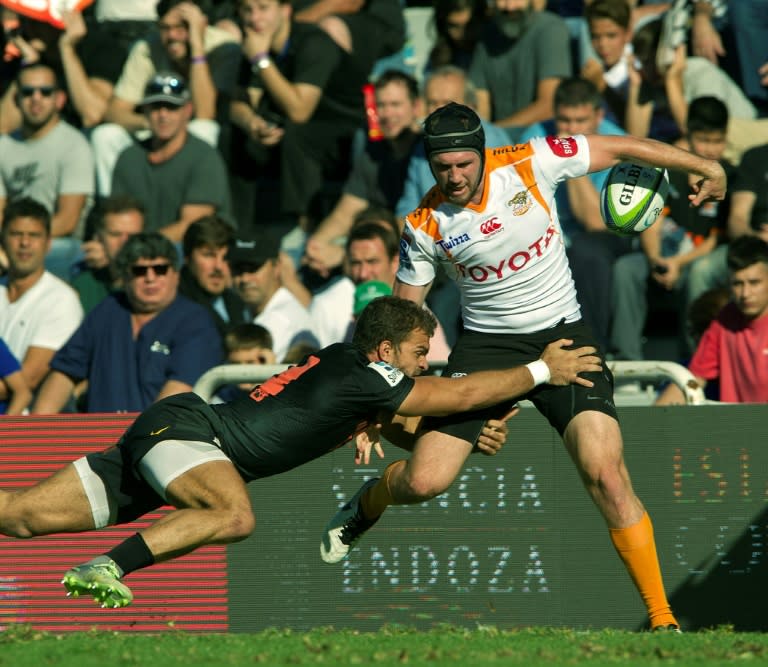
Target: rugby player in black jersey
198	457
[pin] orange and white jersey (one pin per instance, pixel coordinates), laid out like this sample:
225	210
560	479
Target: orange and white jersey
505	253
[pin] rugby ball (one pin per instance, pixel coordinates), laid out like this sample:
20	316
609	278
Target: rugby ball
633	197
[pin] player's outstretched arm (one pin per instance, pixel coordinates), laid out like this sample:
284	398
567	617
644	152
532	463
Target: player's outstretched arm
437	396
606	151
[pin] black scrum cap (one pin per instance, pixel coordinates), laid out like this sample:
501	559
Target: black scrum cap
454	127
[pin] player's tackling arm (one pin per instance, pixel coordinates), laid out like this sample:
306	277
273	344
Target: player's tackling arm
403	432
437	396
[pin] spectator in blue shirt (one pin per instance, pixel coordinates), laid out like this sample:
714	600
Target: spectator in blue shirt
592	249
136	346
10	374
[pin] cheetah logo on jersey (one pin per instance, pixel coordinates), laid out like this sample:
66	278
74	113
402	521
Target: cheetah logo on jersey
520	203
391	374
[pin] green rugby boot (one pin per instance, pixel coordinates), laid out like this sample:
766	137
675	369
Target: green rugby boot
101	580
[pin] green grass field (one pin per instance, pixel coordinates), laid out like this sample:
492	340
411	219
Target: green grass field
22	646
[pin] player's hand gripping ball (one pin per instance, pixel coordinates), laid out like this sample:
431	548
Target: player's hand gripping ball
633	197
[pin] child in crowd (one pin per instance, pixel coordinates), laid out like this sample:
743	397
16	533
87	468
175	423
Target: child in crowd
245	344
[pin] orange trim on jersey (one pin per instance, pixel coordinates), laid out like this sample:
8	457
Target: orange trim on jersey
525	171
422	219
518	156
506	155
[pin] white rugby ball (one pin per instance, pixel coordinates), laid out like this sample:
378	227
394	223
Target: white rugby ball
633	197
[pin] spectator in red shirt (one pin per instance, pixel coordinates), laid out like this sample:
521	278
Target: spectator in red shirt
733	349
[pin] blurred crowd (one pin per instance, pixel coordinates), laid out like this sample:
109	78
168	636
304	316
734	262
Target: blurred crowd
185	183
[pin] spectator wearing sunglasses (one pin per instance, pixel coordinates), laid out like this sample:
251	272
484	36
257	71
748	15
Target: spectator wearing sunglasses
86	60
206	56
49	161
177	176
136	346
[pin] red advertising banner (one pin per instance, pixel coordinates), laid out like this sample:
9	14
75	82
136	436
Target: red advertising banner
189	593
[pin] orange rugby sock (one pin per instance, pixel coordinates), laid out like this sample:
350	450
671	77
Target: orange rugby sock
637	548
376	499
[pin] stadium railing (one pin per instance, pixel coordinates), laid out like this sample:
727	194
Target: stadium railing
625	372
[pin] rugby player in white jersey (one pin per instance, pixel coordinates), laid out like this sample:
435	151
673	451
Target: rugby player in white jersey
491	222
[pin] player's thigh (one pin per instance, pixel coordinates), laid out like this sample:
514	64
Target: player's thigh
437	459
212	485
593	440
57	504
194	474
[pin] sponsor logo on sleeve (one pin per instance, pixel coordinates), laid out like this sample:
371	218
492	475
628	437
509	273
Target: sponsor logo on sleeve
563	146
405	249
391	374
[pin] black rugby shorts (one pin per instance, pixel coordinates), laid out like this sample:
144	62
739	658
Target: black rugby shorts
475	351
178	417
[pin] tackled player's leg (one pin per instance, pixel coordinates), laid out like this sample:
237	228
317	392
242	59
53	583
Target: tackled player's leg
593	440
435	463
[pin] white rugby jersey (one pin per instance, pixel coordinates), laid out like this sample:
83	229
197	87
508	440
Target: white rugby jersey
506	254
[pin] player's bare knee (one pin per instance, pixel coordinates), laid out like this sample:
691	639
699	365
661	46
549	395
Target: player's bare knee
425	486
15	524
608	478
239	524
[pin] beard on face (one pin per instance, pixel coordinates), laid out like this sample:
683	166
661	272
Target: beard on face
512	24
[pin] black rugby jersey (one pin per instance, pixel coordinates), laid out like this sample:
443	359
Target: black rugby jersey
307	410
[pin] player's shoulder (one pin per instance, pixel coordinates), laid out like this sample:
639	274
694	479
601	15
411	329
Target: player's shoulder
551	149
344	357
358	371
514	154
392	375
431	202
